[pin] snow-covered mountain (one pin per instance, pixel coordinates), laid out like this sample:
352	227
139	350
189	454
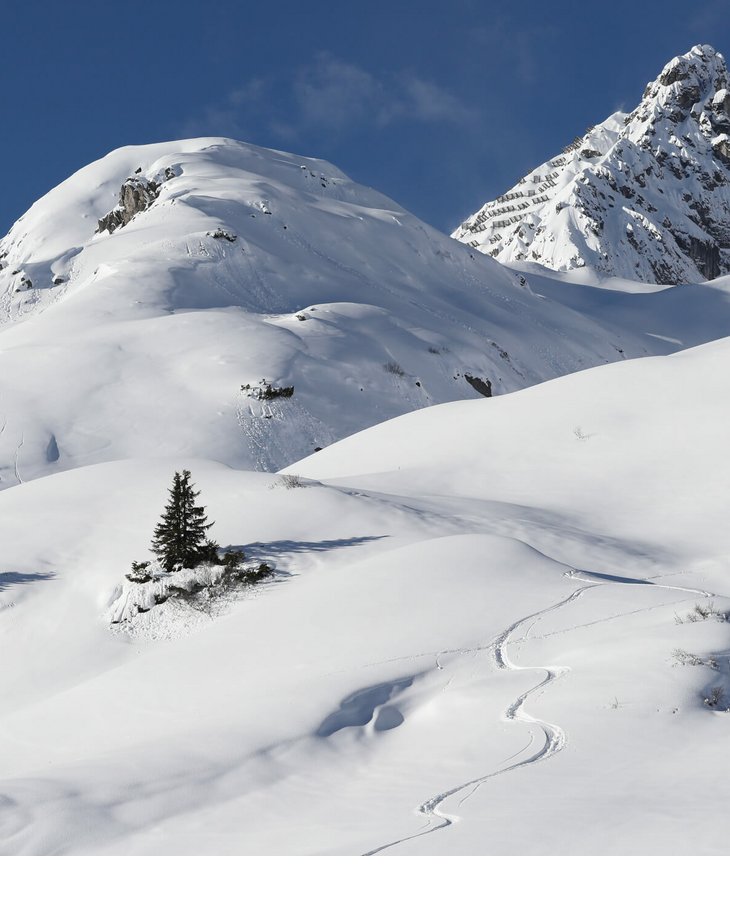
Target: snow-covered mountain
476	607
643	196
167	298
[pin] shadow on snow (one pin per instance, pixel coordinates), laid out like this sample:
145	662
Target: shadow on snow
269	552
10	579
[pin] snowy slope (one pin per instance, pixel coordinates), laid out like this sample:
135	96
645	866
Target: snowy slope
136	342
445	674
469	644
644	196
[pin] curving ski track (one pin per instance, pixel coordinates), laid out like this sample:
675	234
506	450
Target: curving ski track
555	738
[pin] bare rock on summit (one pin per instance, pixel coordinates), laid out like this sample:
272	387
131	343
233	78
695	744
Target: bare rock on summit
136	194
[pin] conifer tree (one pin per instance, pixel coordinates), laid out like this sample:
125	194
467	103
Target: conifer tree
179	540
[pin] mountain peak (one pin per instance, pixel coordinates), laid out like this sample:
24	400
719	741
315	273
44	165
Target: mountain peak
702	64
687	80
644	196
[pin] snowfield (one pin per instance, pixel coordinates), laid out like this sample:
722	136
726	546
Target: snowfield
495	626
137	343
469	646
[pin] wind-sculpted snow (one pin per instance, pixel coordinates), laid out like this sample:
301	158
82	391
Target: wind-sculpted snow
644	196
250	266
553	738
419	676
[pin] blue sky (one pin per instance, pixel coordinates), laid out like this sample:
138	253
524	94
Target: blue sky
441	105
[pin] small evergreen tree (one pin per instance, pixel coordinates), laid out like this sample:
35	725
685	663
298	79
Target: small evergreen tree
140	573
179	540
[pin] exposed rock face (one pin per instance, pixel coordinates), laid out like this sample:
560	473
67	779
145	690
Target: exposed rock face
644	196
136	194
482	386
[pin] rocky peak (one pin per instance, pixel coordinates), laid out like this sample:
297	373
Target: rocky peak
702	68
643	196
692	84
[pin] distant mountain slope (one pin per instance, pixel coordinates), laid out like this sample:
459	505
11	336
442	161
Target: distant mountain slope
644	196
130	327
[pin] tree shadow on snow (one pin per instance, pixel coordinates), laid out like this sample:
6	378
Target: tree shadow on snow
269	552
10	579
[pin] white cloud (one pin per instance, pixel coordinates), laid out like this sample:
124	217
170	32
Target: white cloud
335	94
431	103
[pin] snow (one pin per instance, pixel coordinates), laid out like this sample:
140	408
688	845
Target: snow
143	348
659	174
470	641
436	639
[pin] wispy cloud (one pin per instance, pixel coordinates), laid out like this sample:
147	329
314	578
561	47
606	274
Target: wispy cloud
332	96
424	101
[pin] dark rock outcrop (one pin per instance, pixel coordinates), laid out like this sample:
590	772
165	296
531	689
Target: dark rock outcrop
225	235
705	254
266	391
136	194
482	386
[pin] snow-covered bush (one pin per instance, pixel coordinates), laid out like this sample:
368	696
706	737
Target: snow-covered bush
266	391
394	368
715	697
140	573
702	613
685	658
201	588
290	482
233	558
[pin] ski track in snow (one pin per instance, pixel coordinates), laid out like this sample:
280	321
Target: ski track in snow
555	738
17	458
